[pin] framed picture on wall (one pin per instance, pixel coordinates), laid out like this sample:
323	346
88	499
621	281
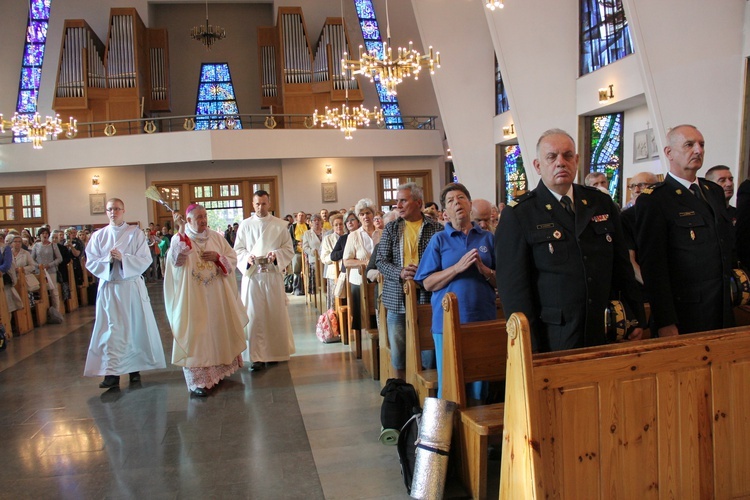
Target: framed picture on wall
97	203
641	146
328	190
653	148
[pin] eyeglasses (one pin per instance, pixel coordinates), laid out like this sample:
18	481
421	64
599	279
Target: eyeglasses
640	185
115	209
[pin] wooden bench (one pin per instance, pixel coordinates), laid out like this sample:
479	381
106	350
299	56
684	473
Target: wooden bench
386	367
658	418
83	290
5	315
42	303
342	310
355	337
370	334
71	303
472	352
321	284
23	317
418	339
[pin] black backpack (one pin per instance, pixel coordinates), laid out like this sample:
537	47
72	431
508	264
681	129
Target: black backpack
399	404
407	448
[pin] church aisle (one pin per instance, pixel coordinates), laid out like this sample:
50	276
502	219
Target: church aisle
305	429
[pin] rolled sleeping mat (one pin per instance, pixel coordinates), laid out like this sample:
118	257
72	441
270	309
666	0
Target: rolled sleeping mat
433	446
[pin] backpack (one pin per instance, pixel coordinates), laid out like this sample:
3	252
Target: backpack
327	328
289	283
407	448
400	402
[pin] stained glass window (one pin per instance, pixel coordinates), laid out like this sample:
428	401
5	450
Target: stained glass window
371	34
606	151
216	100
605	34
501	105
33	57
514	172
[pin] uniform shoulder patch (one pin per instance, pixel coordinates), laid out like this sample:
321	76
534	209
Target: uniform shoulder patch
522	198
651	189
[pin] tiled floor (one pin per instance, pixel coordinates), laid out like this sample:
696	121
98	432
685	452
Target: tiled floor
305	429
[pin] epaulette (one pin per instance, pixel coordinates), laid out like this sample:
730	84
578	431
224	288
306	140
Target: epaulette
650	189
522	198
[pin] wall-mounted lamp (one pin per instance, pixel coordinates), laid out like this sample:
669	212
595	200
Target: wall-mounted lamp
605	95
329	171
509	131
95	180
448	154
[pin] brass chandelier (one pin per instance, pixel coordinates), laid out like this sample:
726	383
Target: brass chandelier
36	130
348	119
390	71
208	34
494	4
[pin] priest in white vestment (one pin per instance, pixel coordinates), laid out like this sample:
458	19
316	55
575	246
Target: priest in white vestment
269	331
125	337
202	304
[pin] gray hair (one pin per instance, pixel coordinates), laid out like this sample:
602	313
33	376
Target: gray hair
316	216
364	204
550	132
390	216
417	193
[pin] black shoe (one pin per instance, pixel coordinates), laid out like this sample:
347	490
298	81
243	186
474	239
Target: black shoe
135	377
256	366
199	392
110	381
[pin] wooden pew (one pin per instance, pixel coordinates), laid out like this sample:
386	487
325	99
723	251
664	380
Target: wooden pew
5	315
386	367
83	292
472	352
355	336
320	283
42	304
418	339
24	320
71	304
369	333
659	418
303	276
342	311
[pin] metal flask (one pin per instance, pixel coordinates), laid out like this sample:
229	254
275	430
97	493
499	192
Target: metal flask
263	264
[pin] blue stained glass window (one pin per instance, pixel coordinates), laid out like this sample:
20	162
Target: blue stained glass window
514	173
371	34
33	56
606	150
215	98
501	97
605	34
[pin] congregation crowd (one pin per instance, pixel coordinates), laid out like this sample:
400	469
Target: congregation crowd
560	253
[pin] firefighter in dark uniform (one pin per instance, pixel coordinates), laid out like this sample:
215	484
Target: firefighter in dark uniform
561	266
685	242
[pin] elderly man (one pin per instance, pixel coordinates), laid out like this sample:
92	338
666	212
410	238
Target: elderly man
638	183
269	330
125	337
561	254
203	308
597	180
722	175
326	223
481	213
401	247
296	231
685	240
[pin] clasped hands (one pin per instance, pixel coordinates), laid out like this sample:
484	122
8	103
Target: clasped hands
472	258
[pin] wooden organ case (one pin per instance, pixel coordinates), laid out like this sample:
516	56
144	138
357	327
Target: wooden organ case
127	78
292	80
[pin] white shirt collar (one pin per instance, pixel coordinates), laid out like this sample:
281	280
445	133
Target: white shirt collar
684	182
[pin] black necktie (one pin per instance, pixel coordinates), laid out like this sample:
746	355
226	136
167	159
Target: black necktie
696	191
568	204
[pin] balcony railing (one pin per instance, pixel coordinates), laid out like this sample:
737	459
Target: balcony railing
189	123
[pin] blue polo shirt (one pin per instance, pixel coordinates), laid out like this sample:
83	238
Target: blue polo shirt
476	297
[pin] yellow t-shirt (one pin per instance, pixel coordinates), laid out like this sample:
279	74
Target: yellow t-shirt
327	226
299	230
411	242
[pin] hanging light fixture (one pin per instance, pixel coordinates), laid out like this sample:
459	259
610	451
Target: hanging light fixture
207	34
36	130
390	71
494	4
346	118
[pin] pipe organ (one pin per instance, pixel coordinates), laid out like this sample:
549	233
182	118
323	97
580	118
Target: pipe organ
125	78
292	80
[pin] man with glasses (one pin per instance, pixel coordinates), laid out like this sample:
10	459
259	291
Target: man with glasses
125	337
638	183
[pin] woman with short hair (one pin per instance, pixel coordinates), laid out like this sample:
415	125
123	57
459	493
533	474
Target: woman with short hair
47	256
326	248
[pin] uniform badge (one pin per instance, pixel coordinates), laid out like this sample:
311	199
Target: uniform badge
686	214
600	218
548	206
692	235
609	238
647	190
551	248
585	202
678	191
557	235
483	249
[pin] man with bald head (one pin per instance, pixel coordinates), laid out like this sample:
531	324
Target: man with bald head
481	213
684	238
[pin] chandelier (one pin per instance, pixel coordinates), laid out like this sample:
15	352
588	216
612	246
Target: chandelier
37	131
348	119
208	34
390	71
494	4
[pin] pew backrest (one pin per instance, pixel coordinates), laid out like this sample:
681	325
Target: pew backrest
418	331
